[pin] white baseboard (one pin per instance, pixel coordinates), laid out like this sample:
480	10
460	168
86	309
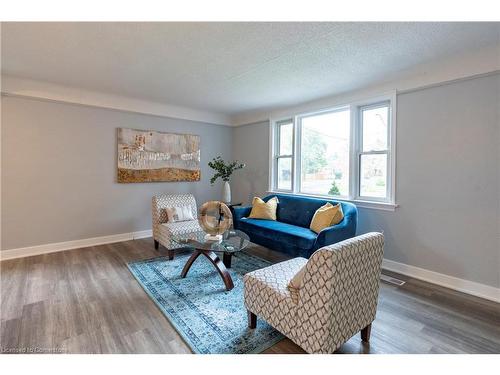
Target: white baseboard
69	245
142	234
461	285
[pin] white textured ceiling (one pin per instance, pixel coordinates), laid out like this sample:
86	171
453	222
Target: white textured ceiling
232	68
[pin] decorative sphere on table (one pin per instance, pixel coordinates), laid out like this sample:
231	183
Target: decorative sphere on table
215	217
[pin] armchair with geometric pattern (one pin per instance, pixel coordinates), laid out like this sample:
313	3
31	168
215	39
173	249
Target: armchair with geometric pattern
162	228
337	298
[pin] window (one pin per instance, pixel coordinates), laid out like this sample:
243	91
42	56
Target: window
325	153
284	155
374	151
343	152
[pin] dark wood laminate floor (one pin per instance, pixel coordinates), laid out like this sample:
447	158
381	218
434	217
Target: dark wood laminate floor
86	301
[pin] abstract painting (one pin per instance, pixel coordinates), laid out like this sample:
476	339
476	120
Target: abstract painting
152	156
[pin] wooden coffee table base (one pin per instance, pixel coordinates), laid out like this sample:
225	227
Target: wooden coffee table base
215	260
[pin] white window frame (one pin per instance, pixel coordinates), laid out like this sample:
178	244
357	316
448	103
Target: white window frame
359	152
274	147
388	203
299	119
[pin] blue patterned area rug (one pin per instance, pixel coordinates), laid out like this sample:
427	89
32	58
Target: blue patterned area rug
210	319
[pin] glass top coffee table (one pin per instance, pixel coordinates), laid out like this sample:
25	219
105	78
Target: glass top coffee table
232	241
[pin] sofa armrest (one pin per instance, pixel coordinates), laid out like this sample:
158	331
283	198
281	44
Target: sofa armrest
239	213
334	234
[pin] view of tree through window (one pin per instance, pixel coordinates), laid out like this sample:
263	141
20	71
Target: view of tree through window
325	153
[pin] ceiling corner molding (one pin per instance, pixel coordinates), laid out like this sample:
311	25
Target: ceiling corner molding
28	88
482	63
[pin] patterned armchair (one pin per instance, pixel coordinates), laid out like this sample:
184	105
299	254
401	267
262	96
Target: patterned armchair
338	296
162	229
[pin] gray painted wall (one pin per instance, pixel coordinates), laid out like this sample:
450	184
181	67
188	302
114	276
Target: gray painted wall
59	171
251	146
448	180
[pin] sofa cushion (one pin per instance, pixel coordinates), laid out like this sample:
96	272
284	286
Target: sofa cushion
276	230
297	210
163	232
266	293
181	227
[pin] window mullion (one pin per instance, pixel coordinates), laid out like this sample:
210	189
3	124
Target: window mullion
297	133
353	151
276	150
275	145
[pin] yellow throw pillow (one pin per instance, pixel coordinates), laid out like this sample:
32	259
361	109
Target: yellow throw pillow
339	215
326	216
264	210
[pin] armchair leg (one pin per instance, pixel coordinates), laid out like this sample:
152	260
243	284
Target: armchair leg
252	320
170	254
157	244
365	333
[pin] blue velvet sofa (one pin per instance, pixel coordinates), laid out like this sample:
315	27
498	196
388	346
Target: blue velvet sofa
290	233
